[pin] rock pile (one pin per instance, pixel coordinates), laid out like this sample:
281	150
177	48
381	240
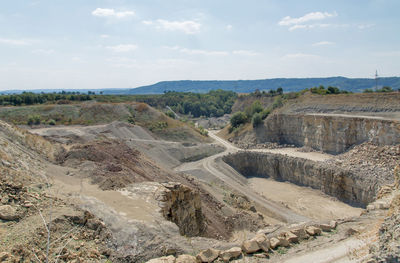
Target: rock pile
258	246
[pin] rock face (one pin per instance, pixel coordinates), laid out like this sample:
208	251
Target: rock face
182	205
355	189
329	133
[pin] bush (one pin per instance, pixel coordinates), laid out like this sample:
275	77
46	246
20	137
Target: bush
277	103
265	113
33	120
52	122
170	114
202	131
238	118
257	119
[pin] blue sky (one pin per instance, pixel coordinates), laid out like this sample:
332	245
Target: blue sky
124	44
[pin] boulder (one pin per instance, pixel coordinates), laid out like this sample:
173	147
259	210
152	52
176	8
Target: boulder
283	241
250	246
208	255
313	231
262	242
300	233
325	227
8	212
274	242
168	259
186	259
292	238
230	254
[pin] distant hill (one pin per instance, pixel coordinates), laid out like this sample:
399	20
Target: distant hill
242	86
245	86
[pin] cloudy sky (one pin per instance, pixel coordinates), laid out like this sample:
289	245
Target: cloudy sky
121	44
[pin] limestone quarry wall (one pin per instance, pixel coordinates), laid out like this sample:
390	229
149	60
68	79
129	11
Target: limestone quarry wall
329	133
348	187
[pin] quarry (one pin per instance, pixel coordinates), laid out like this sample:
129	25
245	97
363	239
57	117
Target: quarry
318	180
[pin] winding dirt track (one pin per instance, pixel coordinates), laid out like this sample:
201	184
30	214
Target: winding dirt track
231	178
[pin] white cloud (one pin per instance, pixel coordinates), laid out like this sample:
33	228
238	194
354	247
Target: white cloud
229	27
123	48
188	26
317	25
313	16
43	51
245	53
109	12
299	56
203	52
104	36
323	43
15	42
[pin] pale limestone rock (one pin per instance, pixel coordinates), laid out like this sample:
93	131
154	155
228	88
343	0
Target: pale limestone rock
230	254
262	242
274	242
250	246
292	238
208	255
8	212
313	231
186	259
168	259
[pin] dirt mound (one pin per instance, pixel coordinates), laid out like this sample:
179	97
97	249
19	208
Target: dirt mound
116	164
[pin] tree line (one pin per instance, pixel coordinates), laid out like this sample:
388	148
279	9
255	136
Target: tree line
29	98
215	103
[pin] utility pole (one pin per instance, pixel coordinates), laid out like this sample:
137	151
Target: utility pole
376	80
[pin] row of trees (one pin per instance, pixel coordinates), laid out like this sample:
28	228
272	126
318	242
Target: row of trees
330	90
29	98
212	104
383	89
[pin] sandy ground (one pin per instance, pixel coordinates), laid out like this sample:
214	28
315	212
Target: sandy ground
303	200
78	189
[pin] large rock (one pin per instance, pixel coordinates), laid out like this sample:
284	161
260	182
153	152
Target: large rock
283	242
313	231
275	242
8	212
168	259
250	246
230	254
262	242
208	255
292	238
186	259
300	232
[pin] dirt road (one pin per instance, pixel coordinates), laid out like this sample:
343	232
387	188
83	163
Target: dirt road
231	178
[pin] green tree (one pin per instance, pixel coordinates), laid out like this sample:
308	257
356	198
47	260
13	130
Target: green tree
257	119
238	118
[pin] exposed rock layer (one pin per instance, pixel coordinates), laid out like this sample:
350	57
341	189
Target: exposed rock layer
345	185
329	133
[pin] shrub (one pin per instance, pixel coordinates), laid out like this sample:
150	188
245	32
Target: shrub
33	120
257	119
52	122
238	118
265	113
170	114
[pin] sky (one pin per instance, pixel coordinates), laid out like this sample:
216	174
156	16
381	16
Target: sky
100	44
